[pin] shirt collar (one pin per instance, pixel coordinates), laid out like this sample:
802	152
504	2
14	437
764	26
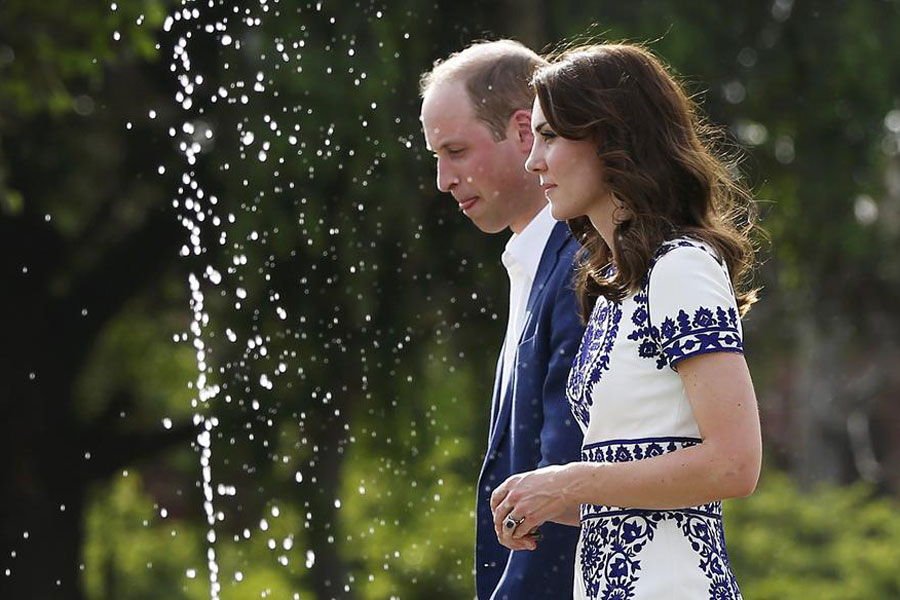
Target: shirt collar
525	248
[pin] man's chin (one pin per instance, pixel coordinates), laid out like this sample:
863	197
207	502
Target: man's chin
487	227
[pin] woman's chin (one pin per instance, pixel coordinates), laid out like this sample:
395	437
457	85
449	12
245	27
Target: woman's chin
559	213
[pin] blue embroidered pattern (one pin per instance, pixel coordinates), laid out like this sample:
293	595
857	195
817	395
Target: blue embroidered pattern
683	336
709	330
612	537
592	358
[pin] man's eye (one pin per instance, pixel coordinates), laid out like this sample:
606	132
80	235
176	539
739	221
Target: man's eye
455	151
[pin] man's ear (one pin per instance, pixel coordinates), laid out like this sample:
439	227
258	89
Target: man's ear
520	124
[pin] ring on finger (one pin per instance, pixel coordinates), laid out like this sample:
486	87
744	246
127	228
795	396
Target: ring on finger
512	523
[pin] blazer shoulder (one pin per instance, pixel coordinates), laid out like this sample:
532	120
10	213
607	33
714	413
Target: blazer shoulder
566	260
561	281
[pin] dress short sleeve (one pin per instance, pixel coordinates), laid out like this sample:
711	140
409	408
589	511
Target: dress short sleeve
692	305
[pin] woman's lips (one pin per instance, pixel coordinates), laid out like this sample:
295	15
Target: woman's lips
547	187
466	204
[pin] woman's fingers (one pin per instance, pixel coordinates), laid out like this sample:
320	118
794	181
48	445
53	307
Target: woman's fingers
524	543
500	492
515	523
502	512
527	528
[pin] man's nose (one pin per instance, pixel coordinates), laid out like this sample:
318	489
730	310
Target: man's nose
446	178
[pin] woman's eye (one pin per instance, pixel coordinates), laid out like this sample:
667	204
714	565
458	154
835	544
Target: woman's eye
548	135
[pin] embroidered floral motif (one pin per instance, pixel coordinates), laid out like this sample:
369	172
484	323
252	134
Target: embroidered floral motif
593	357
681	337
612	537
684	336
643	332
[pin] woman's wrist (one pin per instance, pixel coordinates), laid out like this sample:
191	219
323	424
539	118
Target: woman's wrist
578	481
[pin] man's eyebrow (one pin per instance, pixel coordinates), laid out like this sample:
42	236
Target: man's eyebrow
449	143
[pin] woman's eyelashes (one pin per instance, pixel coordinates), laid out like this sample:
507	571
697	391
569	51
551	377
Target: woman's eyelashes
546	134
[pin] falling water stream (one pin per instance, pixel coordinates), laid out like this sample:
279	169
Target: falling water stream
301	256
234	274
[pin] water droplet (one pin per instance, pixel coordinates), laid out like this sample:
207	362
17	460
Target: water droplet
265	382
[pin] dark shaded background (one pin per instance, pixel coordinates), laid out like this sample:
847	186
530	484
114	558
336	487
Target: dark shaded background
338	344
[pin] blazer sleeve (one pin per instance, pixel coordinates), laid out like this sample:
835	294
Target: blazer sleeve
547	573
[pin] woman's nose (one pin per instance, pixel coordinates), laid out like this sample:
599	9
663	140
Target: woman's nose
534	163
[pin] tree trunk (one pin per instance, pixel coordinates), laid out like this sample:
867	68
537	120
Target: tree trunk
819	452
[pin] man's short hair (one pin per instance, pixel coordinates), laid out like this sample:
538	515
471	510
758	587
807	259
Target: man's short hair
496	75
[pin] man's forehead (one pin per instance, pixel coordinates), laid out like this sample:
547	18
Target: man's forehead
446	114
447	98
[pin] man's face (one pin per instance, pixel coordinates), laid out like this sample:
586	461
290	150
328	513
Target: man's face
487	178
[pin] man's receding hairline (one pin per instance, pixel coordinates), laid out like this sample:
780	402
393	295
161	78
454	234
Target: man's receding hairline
459	66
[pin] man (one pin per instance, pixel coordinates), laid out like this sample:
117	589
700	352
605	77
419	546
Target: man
476	117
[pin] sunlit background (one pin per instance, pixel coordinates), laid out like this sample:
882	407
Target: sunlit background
247	347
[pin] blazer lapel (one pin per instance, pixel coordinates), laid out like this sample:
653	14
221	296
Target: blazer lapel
495	396
549	258
501	410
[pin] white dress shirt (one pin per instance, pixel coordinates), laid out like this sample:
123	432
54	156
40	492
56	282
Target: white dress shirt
521	259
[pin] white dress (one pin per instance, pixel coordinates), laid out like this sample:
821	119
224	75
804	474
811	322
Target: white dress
631	405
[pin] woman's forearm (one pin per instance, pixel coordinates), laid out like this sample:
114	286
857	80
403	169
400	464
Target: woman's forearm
687	477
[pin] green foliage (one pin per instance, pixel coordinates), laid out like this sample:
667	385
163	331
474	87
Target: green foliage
41	71
157	376
830	543
131	552
408	497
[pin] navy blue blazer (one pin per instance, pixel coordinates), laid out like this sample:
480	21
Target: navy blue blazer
533	427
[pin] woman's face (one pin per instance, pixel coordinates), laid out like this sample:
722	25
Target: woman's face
571	172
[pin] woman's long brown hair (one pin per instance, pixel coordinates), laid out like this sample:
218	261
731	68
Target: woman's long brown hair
660	160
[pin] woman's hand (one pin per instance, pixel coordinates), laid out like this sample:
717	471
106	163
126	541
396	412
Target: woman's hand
525	501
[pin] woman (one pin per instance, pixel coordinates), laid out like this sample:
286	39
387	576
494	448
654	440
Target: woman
660	385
